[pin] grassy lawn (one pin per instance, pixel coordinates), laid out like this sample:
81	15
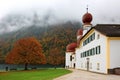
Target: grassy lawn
43	74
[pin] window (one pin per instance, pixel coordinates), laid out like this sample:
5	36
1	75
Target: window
88	53
71	58
91	52
83	43
81	65
98	50
93	36
86	41
89	39
90	65
94	50
85	54
98	66
81	55
98	36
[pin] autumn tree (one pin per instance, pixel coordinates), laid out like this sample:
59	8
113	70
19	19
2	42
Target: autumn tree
55	58
26	51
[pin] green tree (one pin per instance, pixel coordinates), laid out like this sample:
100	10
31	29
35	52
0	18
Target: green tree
1	58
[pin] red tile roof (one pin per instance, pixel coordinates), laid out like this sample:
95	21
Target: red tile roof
71	47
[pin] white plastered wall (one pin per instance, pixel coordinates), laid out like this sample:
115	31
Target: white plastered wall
114	54
100	58
68	63
67	59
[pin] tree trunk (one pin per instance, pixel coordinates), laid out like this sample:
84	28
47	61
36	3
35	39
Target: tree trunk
55	66
26	66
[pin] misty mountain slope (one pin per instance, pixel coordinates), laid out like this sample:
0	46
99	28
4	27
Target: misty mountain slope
59	35
51	35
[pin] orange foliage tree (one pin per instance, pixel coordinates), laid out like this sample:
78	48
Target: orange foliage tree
55	58
26	51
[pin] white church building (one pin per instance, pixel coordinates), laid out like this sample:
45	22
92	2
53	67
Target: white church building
97	48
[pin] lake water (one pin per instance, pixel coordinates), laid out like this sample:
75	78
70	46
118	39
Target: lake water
21	67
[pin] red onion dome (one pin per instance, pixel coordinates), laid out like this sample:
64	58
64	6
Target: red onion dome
87	18
71	47
80	32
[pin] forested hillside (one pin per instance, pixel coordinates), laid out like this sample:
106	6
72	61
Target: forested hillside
54	36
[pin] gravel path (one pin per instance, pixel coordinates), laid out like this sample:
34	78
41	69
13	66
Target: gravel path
84	75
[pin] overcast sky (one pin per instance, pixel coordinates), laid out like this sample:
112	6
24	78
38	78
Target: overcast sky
103	11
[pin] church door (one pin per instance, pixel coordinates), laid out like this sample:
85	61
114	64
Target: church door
74	65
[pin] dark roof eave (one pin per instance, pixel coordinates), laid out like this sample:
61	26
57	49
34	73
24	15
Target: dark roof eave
108	34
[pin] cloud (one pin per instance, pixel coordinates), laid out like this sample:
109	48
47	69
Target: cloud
103	11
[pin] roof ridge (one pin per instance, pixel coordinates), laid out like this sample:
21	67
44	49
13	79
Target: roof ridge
107	25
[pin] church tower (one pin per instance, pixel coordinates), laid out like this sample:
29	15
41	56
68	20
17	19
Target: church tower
86	19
